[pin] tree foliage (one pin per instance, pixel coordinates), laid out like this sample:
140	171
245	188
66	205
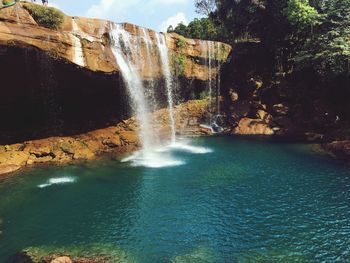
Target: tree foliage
203	28
301	14
328	50
303	34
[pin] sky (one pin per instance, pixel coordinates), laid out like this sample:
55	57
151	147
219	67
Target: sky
154	14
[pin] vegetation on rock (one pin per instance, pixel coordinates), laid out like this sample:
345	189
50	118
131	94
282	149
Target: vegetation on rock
179	61
49	17
7	2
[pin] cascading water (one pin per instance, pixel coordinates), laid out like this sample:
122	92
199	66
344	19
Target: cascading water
213	53
210	83
164	56
128	55
148	64
218	57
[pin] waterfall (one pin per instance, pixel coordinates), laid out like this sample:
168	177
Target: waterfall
218	57
130	60
210	83
127	54
146	42
164	56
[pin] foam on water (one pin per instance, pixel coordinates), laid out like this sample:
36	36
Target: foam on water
60	180
160	157
190	148
153	159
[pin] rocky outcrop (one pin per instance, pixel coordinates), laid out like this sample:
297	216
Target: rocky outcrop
117	139
87	43
247	126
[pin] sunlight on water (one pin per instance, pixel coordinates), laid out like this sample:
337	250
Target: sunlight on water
60	180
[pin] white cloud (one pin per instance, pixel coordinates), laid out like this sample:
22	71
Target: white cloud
173	21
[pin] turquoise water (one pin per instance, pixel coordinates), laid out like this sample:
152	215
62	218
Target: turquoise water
247	201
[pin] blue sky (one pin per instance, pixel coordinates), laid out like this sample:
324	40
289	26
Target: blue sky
154	14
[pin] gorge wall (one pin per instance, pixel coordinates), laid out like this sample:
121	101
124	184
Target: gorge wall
66	85
68	82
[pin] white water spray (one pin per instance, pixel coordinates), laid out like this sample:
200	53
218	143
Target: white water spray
60	180
126	52
129	57
164	56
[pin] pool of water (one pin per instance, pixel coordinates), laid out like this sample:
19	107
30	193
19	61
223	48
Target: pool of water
244	201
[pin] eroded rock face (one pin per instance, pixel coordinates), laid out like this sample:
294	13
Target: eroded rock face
86	43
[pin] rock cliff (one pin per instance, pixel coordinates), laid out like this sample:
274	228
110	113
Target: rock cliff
66	82
86	43
63	97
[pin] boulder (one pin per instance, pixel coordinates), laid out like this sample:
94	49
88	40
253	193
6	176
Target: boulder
247	126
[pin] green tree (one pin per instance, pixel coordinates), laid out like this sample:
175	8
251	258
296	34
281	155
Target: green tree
300	14
328	52
202	28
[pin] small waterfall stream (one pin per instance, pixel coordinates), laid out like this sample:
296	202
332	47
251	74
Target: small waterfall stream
218	82
164	56
210	82
212	52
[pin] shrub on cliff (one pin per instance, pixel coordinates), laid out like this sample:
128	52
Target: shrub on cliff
46	16
7	2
